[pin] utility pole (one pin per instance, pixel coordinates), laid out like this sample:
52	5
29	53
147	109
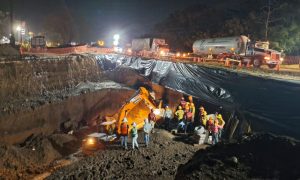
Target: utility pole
268	20
12	37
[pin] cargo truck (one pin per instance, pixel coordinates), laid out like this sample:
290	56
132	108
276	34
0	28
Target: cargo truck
149	47
239	48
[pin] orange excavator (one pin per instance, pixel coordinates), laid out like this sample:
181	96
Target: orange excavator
136	109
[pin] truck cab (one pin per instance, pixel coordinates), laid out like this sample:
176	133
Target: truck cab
259	53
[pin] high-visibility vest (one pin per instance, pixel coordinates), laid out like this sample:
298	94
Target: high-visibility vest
124	129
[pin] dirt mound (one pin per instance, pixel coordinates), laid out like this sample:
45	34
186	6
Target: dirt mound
261	156
32	157
7	50
159	161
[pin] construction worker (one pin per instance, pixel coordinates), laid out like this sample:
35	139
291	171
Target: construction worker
203	116
190	99
134	135
209	128
124	133
209	124
147	131
187	106
168	115
180	117
193	111
152	119
182	102
179	114
188	117
221	123
215	132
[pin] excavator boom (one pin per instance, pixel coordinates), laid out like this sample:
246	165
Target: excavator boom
136	109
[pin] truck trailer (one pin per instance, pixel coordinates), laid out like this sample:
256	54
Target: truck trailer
239	48
149	47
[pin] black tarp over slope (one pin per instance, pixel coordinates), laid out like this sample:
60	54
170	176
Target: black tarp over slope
268	105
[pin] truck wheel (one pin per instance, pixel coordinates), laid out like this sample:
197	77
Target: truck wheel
256	63
271	66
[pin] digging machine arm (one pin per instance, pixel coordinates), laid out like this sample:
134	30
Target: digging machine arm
136	109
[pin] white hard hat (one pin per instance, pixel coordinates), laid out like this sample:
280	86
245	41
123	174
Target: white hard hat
134	124
125	120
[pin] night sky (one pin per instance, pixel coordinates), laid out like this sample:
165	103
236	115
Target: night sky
99	19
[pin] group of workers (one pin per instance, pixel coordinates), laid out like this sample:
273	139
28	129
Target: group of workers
212	125
185	116
148	129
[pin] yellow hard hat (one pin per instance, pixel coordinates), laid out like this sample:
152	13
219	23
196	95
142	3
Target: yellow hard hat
219	116
179	107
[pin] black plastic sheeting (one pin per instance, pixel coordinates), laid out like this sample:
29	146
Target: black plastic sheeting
269	105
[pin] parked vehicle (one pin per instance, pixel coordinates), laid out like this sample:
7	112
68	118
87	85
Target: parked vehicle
38	42
149	47
239	48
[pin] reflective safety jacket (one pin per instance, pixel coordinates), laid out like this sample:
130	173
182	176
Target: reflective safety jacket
124	129
134	132
221	121
203	118
180	114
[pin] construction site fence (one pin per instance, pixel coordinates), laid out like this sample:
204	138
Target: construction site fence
288	60
67	50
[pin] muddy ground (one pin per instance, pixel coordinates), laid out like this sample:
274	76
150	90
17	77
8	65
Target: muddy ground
260	156
159	161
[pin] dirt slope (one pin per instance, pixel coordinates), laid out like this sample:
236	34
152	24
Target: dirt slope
261	156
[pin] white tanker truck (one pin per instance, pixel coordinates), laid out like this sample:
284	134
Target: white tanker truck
239	48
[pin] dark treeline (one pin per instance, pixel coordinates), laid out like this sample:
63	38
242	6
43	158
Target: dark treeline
275	20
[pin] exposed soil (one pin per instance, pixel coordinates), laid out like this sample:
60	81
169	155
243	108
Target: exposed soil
36	155
47	97
159	161
261	156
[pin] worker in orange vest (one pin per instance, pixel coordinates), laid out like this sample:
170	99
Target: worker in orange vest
124	133
152	119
